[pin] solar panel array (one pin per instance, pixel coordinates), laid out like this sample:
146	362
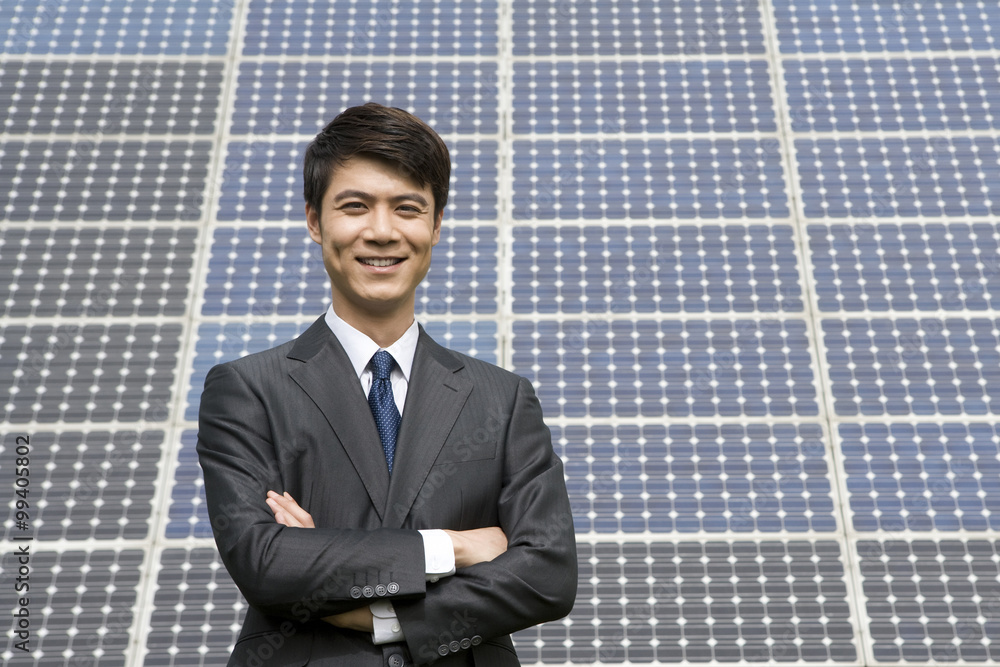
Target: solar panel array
746	250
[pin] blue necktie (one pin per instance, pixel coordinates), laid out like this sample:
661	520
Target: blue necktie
383	405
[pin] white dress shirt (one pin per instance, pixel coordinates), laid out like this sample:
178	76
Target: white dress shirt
439	551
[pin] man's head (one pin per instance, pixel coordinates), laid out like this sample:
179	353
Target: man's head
376	183
388	133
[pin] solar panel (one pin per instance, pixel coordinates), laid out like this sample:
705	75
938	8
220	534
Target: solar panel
746	252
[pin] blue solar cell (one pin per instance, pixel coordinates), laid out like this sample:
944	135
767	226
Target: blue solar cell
91	179
669	368
636	27
262	180
898	176
287	98
221	342
922	476
906	267
806	26
931	601
277	271
188	513
896	94
371	28
642	97
660	479
908	366
124	27
644	269
638	179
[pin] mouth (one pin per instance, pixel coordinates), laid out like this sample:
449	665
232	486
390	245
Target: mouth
379	261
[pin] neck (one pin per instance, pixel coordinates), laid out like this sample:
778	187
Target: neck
383	328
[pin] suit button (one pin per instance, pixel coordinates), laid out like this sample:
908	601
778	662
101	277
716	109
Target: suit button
380	590
355	592
393	588
395	660
442	650
368	591
476	640
454	646
465	643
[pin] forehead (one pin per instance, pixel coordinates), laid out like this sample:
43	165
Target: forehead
374	175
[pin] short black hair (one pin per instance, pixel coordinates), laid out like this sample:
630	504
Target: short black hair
384	132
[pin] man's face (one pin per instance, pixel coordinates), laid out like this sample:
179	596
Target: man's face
376	227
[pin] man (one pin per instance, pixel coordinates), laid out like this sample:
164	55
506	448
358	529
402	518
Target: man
378	499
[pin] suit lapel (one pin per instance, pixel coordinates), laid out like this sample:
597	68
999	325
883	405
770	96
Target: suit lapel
327	376
434	398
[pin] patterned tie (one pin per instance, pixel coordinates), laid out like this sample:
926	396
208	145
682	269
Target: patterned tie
383	405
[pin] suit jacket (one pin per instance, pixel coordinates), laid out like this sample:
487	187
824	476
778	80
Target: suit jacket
472	452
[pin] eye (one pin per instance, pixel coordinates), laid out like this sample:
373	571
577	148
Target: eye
353	205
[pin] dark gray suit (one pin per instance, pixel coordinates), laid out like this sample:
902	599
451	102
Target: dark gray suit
472	452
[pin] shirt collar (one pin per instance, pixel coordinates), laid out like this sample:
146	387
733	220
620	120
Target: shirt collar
360	348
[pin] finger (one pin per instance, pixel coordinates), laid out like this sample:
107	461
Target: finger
282	515
286	503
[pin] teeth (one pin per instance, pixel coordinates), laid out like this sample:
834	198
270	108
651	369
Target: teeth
379	262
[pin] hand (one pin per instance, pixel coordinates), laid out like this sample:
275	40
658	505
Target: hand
359	619
287	512
478	545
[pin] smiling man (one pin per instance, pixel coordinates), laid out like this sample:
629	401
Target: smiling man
378	499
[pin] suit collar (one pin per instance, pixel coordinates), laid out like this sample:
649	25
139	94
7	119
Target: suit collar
436	394
328	379
435	397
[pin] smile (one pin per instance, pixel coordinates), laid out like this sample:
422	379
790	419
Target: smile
379	262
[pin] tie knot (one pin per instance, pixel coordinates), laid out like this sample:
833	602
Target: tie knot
382	363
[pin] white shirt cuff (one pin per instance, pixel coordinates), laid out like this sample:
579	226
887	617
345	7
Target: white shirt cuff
439	554
385	625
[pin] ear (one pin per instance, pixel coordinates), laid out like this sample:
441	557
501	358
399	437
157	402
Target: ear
313	223
436	236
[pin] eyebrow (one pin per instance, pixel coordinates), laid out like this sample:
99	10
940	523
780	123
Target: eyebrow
358	194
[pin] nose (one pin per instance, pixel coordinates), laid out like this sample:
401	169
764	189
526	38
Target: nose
381	228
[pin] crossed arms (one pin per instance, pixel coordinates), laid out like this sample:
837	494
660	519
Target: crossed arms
478	545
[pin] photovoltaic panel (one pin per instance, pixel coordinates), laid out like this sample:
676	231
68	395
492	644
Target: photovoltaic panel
667	269
698	602
881	25
922	476
120	27
93	272
85	603
893	94
262	180
907	267
931	601
668	368
370	28
639	96
109	97
641	179
678	478
94	485
197	610
90	372
898	176
633	27
285	99
908	366
279	271
95	179
674	357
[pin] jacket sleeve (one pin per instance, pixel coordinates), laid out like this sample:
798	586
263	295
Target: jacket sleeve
296	573
534	581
